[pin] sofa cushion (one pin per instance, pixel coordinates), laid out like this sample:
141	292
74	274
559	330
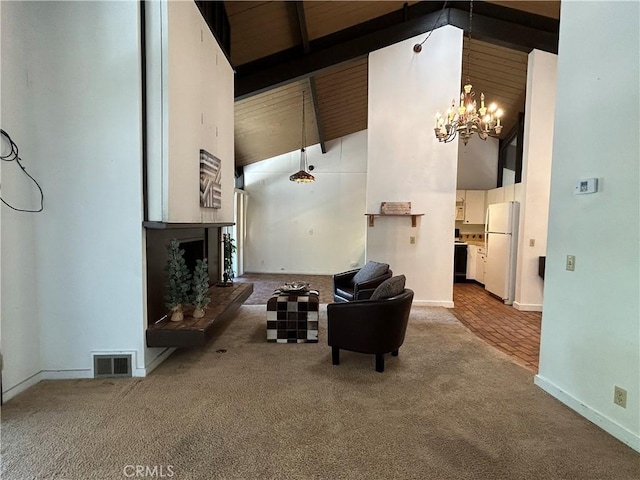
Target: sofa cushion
389	288
370	271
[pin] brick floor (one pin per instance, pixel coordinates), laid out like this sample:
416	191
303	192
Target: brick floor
514	332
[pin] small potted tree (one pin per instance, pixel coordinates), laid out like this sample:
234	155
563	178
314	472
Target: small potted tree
228	250
200	291
178	284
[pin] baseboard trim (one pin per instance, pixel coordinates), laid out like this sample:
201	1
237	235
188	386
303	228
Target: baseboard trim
21	387
44	375
608	425
66	374
153	364
527	307
433	303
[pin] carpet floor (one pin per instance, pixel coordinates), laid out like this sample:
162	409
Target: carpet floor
449	407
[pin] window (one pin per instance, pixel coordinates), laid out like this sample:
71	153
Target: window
510	156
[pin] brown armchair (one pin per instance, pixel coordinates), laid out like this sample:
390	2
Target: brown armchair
348	285
369	326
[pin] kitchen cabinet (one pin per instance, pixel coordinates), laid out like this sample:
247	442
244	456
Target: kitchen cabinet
475	263
472	253
470	206
474	209
479	270
495	195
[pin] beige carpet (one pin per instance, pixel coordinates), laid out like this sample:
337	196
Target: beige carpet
449	407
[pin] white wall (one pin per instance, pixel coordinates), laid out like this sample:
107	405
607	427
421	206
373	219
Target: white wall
314	228
406	162
590	323
478	164
536	177
20	327
190	94
78	125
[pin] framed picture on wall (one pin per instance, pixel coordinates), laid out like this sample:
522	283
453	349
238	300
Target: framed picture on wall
210	180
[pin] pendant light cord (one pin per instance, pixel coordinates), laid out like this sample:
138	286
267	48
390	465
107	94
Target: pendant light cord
304	133
418	46
469	46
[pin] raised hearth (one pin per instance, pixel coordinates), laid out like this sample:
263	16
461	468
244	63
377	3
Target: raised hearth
192	332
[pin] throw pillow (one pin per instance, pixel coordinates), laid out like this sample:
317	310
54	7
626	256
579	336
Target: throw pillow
389	288
370	271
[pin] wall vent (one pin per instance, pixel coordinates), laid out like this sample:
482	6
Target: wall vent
111	366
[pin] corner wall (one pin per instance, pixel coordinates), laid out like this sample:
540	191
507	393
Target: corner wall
20	327
316	228
590	324
78	126
536	177
407	164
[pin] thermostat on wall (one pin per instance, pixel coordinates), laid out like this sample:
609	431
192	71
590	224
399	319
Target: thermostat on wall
586	185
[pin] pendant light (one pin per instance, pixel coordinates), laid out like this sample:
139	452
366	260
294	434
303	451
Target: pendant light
303	175
468	119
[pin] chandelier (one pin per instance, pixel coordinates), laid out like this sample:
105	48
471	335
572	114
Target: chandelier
303	176
468	119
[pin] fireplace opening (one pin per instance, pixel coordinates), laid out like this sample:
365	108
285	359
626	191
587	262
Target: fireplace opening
194	250
197	243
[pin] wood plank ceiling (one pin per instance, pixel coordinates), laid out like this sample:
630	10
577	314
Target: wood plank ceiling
269	123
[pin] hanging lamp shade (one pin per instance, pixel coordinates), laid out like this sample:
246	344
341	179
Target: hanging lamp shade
303	175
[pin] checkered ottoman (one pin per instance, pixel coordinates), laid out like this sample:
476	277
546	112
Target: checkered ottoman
292	317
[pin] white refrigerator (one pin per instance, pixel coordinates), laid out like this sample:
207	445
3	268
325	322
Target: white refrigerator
501	242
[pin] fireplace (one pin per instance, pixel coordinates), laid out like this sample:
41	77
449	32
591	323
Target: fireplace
197	243
193	251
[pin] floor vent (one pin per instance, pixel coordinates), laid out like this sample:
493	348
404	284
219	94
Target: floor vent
111	366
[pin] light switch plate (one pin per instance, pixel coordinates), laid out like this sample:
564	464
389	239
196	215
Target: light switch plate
586	185
571	262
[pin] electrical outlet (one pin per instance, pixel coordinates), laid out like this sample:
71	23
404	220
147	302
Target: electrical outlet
571	262
532	242
620	396
412	240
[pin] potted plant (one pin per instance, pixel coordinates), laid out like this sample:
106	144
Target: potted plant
199	298
228	250
178	284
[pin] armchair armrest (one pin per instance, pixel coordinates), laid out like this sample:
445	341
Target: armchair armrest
344	278
365	294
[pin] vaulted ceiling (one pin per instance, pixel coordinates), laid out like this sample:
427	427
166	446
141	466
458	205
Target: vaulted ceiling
282	48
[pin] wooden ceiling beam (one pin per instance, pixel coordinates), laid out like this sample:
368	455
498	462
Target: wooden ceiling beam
494	24
306	47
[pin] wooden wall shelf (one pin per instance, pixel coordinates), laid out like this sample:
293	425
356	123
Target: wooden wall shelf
413	217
